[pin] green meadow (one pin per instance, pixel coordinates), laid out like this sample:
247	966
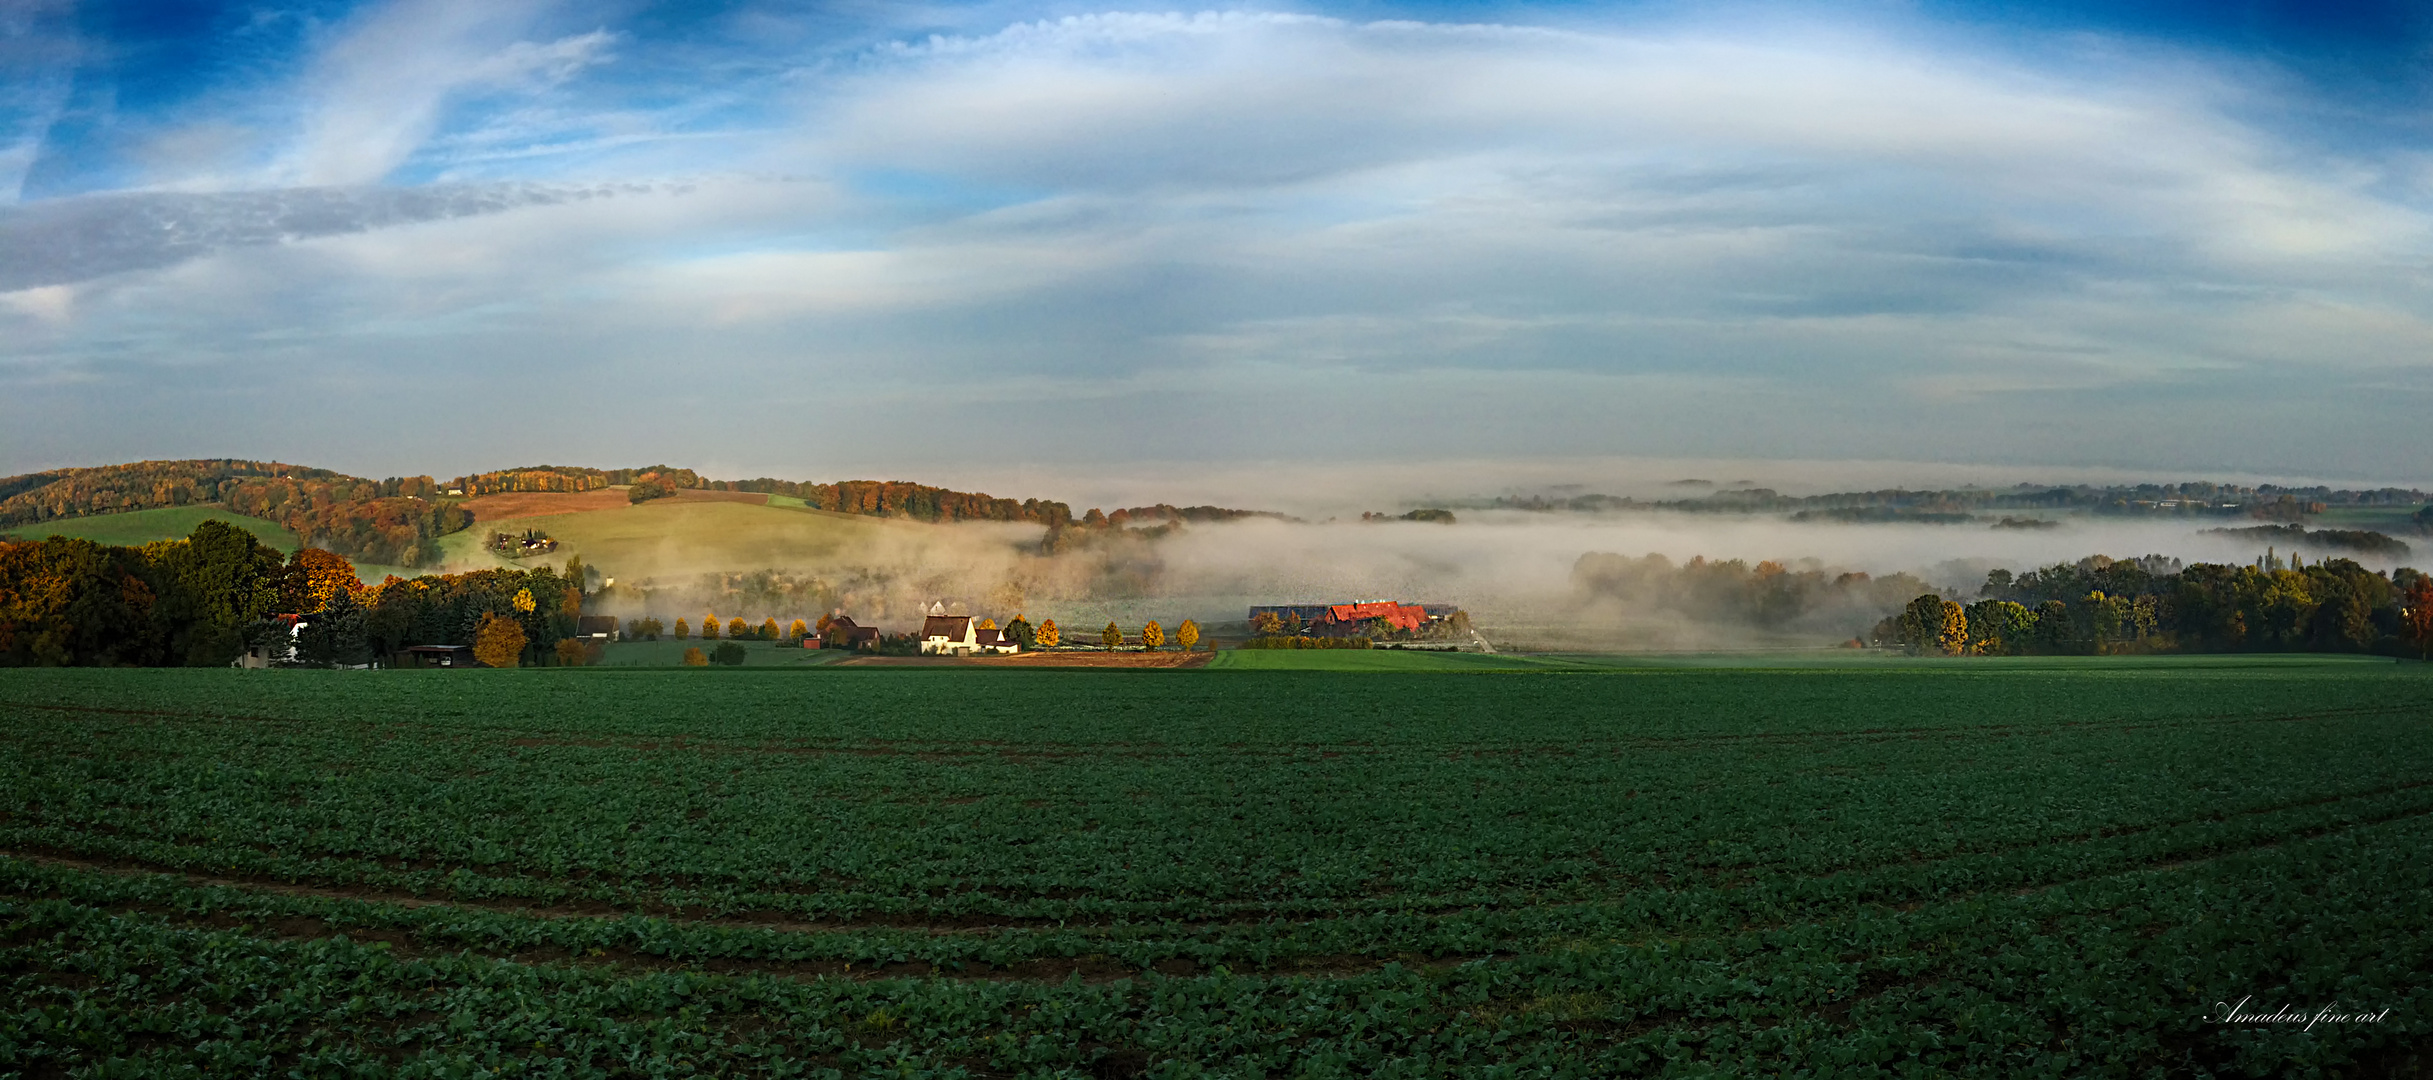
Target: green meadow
136	528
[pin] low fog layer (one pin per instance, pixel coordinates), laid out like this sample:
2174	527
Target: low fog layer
1320	490
1512	570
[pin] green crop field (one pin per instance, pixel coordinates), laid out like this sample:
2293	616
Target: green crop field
1859	870
139	527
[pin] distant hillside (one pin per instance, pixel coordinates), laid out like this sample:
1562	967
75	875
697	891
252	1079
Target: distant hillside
384	521
2294	537
2265	501
398	521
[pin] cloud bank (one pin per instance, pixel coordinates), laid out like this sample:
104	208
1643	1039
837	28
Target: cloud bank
1232	237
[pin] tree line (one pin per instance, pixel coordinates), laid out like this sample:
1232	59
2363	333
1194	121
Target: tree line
1767	596
202	600
2100	606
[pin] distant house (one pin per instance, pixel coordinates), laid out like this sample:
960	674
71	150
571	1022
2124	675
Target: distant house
842	633
948	635
956	635
1343	620
447	656
602	627
274	647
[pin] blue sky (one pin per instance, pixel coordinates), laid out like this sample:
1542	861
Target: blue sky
949	241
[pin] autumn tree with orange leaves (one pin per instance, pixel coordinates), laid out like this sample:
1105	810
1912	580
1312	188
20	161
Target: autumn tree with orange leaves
498	642
311	577
2417	612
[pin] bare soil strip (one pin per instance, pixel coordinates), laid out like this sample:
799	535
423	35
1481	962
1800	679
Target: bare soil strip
1043	660
519	504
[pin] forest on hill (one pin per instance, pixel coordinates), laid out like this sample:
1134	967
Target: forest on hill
396	521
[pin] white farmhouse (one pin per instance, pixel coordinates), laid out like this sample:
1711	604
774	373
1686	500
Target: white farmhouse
954	635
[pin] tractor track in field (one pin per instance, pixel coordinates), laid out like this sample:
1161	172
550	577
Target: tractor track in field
1298	911
1096	967
407	944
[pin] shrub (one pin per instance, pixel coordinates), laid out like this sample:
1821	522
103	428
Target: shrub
729	653
694	657
1280	641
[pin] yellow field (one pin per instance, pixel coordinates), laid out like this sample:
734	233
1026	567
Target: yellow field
657	538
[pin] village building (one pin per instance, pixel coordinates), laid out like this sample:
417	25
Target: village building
443	656
600	627
956	635
275	648
843	633
1347	620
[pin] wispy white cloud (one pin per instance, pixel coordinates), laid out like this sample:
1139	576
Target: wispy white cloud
377	93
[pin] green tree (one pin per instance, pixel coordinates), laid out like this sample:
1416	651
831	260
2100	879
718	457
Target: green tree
682	631
214	583
728	653
2000	628
70	602
1112	636
335	636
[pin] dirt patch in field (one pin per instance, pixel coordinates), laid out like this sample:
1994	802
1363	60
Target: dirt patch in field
516	504
1043	659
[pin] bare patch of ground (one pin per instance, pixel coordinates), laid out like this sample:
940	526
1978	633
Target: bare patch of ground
1045	659
516	504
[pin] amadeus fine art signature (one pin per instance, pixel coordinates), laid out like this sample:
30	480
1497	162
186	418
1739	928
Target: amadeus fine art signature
2329	1014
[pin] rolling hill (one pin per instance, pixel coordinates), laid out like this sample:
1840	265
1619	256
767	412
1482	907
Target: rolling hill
698	532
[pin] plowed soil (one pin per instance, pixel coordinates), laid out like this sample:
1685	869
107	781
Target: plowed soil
1044	659
517	504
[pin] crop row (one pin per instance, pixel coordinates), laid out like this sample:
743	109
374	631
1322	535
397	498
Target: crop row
2109	975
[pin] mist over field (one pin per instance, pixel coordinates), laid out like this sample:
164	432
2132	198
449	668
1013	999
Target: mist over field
1514	571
